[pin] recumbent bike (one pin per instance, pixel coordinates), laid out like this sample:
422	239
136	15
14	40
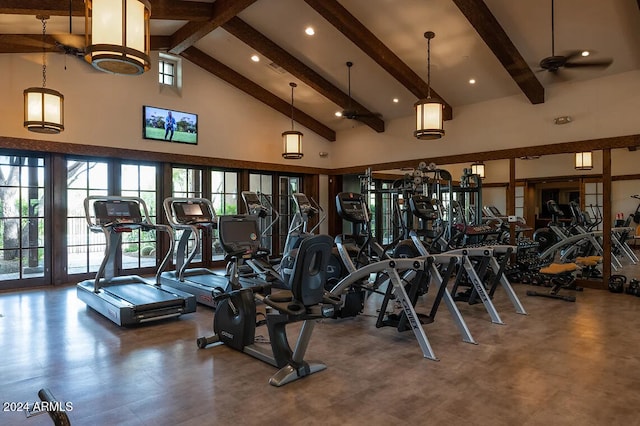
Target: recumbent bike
235	318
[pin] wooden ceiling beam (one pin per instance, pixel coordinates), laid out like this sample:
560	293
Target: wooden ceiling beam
250	36
160	9
225	73
191	32
365	40
494	36
32	43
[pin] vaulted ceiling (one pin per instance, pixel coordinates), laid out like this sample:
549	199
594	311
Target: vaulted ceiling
499	43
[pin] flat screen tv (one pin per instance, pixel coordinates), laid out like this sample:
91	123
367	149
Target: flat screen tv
169	125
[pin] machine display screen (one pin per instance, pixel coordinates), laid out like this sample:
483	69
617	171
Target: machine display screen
192	211
238	232
251	197
116	211
301	200
352	206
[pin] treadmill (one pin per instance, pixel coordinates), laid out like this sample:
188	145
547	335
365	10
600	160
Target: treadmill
130	299
191	216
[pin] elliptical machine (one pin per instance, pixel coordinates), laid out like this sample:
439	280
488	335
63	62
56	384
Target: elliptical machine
235	322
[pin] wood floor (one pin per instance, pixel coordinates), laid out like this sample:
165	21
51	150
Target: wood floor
563	364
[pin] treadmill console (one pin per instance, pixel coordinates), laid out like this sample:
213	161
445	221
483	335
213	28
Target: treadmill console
117	212
351	207
239	233
190	212
422	207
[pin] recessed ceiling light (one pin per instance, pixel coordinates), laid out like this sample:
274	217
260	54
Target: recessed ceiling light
396	100
309	31
472	81
338	114
585	53
255	58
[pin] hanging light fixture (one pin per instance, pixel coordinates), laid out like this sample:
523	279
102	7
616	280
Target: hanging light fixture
584	160
117	35
292	139
43	107
429	111
477	168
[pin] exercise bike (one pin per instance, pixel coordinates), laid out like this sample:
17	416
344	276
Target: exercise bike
235	318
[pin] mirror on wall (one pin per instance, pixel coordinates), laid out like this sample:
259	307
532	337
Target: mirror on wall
539	179
469	193
625	206
563	205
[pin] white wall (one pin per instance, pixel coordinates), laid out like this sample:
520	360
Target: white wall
555	165
106	110
604	107
495	197
621	201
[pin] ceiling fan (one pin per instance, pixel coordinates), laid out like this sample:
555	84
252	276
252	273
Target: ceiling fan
70	45
351	113
554	62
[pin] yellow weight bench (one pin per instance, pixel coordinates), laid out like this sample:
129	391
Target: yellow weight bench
561	277
588	266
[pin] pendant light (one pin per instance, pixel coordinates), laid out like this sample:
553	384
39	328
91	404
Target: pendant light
584	160
292	139
43	107
117	35
477	168
429	111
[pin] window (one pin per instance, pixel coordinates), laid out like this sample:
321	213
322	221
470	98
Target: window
224	197
170	72
22	210
519	199
593	201
167	72
262	184
139	247
85	249
187	182
288	185
386	231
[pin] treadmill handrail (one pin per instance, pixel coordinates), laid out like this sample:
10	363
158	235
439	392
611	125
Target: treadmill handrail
189	229
108	229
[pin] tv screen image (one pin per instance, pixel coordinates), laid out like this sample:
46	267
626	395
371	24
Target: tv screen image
169	125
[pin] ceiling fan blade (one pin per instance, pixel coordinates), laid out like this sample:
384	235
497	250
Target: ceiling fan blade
574	54
558	76
72	40
596	64
29	41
